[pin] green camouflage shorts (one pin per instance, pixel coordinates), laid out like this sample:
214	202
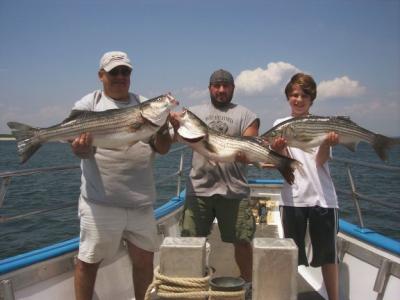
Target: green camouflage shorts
235	219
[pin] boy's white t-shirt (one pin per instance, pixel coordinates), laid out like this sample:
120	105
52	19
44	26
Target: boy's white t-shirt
313	186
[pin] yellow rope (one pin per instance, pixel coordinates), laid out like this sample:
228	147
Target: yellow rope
185	288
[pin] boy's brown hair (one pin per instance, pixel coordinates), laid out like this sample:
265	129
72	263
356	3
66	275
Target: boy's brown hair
306	83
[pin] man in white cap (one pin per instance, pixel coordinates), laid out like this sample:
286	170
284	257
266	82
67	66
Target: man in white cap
117	189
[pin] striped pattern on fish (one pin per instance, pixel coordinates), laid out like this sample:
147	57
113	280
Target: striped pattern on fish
219	147
309	132
112	128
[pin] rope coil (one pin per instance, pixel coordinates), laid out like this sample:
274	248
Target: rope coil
186	288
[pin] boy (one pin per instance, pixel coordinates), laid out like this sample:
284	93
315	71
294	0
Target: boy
312	198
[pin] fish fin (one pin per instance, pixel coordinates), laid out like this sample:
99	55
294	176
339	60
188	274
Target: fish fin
287	166
382	144
131	144
136	126
148	121
75	114
190	135
27	144
351	146
191	140
213	163
257	165
209	147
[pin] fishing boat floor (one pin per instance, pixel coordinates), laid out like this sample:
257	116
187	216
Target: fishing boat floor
306	291
267	218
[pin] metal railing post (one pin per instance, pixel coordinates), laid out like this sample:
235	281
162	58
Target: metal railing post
5	182
355	198
6	290
180	173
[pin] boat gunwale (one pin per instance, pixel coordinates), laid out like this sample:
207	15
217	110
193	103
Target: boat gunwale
32	257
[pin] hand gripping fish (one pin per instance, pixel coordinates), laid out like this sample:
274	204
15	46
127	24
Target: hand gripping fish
309	132
218	147
110	129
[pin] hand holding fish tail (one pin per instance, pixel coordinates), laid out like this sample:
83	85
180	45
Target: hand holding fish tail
82	146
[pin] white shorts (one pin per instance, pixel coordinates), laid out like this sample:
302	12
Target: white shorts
104	227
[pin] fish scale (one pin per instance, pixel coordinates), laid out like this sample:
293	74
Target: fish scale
102	126
218	147
308	132
252	149
111	128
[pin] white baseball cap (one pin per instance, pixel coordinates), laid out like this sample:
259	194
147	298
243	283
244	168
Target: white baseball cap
113	59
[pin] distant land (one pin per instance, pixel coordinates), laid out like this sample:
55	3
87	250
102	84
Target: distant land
6	137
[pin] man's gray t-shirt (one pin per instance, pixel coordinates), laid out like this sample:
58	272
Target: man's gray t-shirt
121	177
225	179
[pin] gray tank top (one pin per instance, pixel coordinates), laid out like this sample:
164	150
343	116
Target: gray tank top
225	179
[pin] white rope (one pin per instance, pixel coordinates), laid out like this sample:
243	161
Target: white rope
186	288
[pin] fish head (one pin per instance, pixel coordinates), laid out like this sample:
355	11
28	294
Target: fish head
272	134
158	109
191	128
170	101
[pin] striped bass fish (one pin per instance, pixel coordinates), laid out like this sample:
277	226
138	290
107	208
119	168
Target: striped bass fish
110	129
219	147
309	132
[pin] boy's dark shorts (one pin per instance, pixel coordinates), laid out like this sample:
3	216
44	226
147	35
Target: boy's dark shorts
323	227
235	219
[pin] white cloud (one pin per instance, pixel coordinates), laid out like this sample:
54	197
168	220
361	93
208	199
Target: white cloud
256	81
340	87
200	94
45	116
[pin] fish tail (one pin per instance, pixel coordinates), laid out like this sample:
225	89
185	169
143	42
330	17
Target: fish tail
382	144
286	167
27	142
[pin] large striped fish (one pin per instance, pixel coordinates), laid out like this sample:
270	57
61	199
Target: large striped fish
110	129
219	147
309	132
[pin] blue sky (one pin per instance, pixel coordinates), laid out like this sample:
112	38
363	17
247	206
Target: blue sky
50	50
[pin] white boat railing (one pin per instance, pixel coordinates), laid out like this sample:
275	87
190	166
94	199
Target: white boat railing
356	195
7	176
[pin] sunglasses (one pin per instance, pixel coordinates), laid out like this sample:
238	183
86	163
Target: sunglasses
123	71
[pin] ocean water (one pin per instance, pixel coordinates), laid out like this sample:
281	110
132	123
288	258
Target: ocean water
61	188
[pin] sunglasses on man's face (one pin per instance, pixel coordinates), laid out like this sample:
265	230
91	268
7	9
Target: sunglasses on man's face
123	71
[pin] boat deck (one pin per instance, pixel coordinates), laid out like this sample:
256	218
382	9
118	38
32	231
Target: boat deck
267	217
306	291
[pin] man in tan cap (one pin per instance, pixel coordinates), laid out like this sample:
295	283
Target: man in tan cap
117	189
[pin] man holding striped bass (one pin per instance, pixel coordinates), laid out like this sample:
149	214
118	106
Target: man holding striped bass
117	190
